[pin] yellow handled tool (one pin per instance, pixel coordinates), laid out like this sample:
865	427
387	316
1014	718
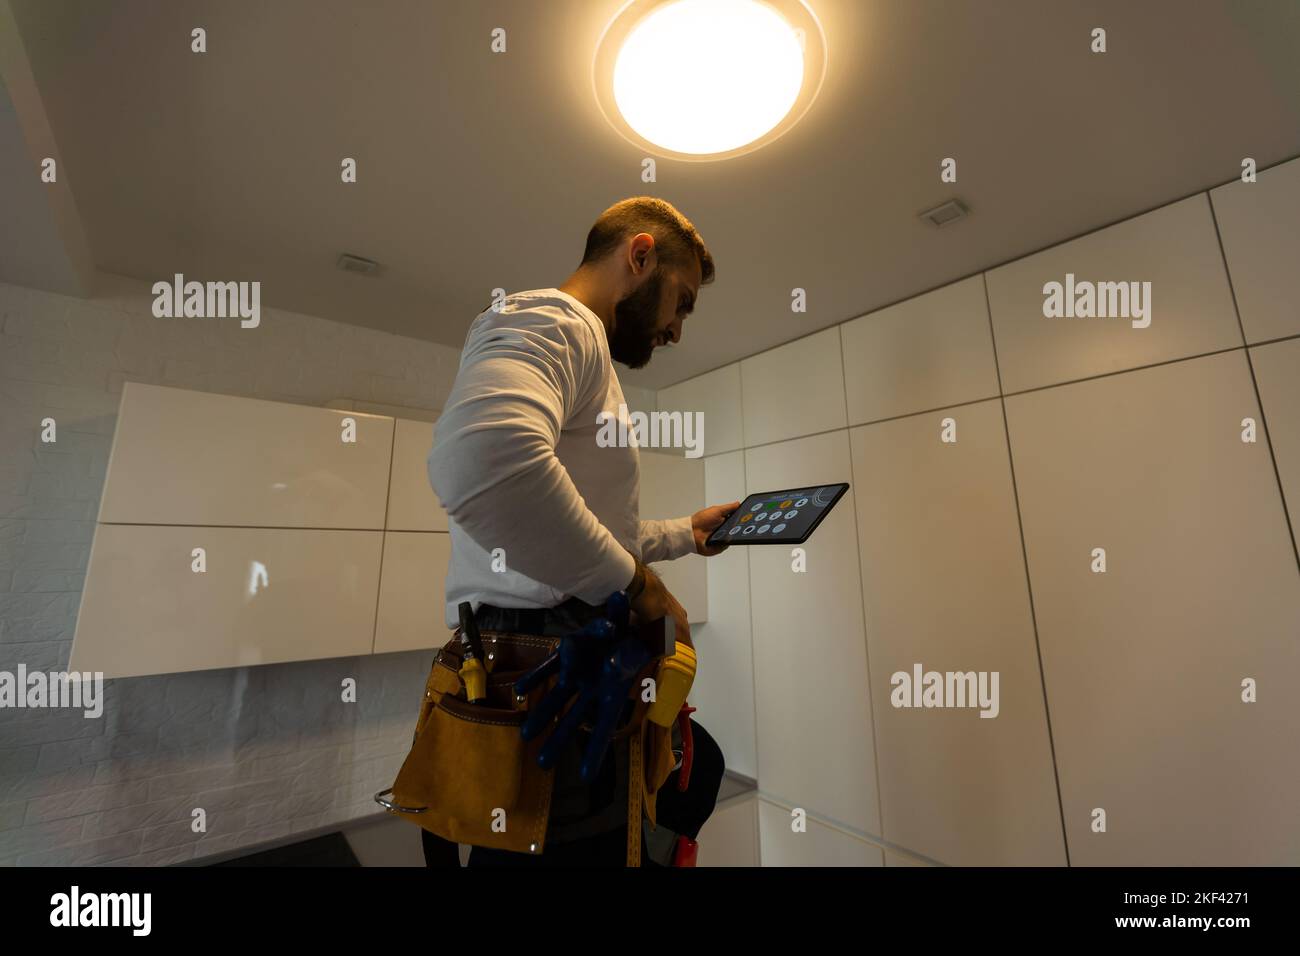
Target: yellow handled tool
472	671
673	682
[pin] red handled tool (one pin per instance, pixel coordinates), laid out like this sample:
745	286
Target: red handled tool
685	852
688	747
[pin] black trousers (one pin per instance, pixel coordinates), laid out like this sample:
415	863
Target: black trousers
682	812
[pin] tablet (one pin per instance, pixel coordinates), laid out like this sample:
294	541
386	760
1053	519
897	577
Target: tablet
779	517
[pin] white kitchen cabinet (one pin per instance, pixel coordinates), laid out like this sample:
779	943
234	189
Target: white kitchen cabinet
673	486
943	584
266	596
812	686
181	457
818	845
928	352
1144	663
1277	371
724	685
412	593
1259	223
730	835
794	389
716	397
412	503
899	859
1174	248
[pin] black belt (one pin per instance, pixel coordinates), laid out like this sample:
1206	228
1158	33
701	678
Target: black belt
556	621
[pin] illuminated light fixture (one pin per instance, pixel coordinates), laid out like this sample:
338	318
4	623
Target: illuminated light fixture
708	79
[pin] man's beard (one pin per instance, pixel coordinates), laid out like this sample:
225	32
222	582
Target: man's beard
632	340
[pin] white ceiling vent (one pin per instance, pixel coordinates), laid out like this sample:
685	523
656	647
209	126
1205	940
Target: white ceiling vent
349	263
943	215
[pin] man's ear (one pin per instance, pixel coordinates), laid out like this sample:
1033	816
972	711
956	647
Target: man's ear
643	251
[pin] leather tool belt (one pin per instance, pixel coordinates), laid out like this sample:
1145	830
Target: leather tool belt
471	778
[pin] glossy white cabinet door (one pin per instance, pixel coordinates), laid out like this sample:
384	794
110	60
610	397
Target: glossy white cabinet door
818	845
943	583
724	684
812	690
267	596
1175	248
1144	663
193	458
1277	371
730	836
412	591
1260	226
794	389
673	486
928	352
412	503
898	859
716	395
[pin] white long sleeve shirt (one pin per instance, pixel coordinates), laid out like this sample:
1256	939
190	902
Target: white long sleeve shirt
516	464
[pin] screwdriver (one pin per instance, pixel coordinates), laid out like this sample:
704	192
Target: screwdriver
471	668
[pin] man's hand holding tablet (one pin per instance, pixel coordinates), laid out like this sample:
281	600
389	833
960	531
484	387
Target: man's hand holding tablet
778	517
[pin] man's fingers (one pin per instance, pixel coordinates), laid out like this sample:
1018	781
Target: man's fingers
716	514
722	512
710	519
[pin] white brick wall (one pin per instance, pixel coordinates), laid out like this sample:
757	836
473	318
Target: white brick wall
266	751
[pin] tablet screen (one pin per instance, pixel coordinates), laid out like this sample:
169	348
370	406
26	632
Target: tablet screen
778	517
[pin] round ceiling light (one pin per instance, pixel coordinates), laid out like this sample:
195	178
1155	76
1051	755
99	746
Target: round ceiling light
708	79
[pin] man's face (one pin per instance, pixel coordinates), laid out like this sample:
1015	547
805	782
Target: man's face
652	314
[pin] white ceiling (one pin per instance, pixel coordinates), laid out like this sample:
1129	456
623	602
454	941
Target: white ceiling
480	170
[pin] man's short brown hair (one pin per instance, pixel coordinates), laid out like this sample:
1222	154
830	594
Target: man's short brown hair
675	238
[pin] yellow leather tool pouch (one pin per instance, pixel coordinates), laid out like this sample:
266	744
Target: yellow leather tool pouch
470	777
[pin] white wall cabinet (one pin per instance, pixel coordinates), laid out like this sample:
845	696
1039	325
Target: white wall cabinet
1277	371
412	598
196	458
928	352
672	486
412	503
724	685
796	389
1260	226
258	485
1144	663
943	584
819	845
289	511
730	836
267	596
812	687
716	396
1174	248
